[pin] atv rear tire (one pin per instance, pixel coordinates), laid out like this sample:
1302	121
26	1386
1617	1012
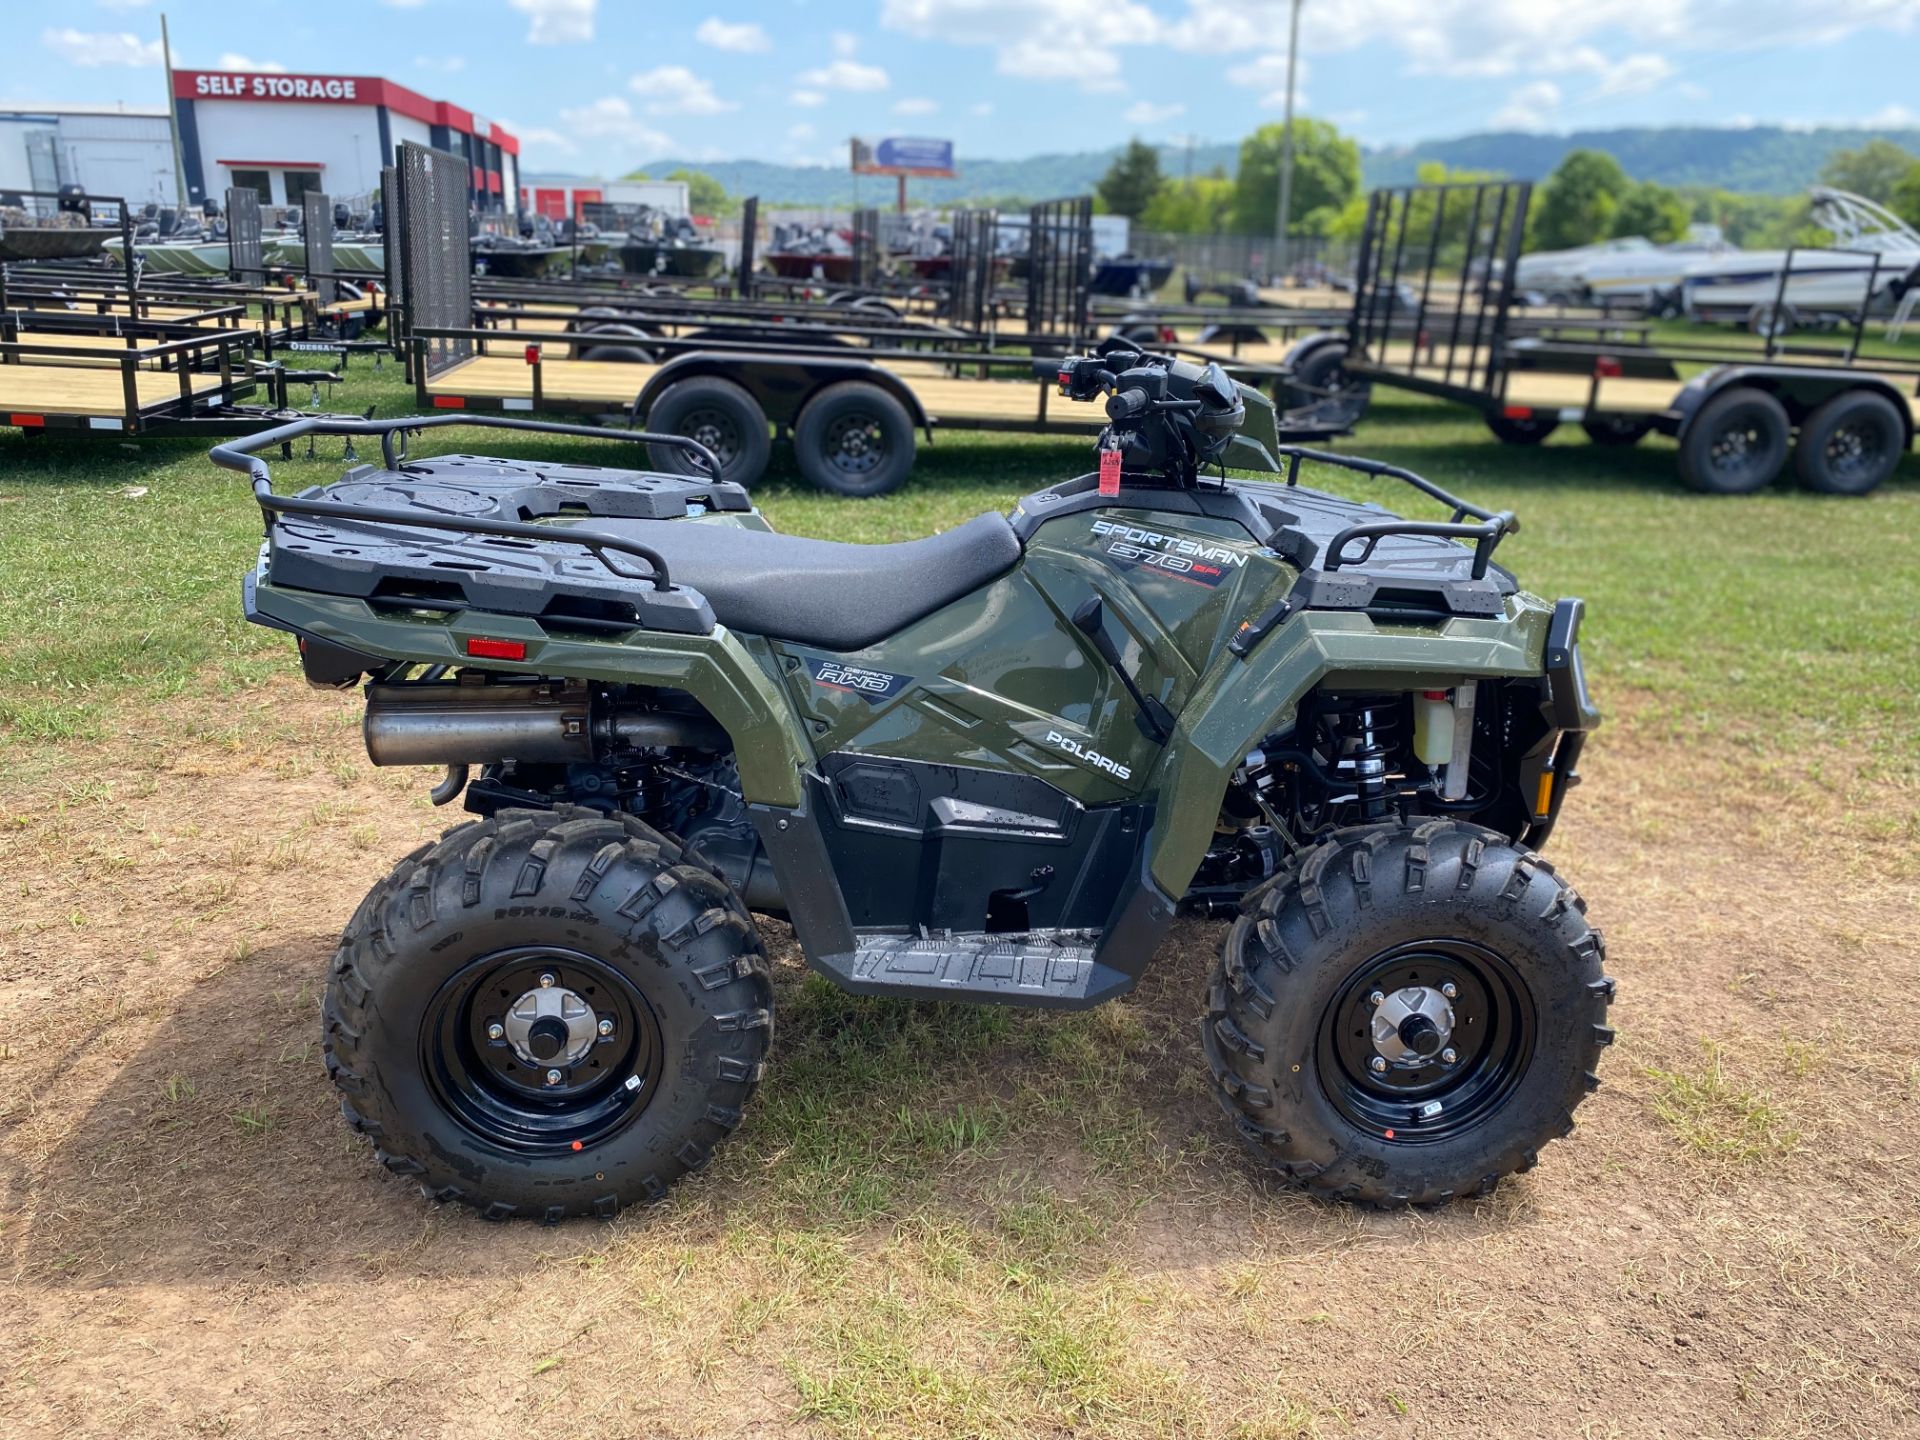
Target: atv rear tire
1399	910
596	918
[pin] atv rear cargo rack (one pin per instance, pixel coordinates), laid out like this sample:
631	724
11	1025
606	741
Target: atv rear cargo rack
676	607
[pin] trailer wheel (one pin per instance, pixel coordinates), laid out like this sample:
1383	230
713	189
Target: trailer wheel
721	416
1615	429
1849	444
613	343
1737	444
1322	380
854	439
1771	322
1517	430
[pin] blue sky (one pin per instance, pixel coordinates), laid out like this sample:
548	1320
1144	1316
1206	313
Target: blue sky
598	86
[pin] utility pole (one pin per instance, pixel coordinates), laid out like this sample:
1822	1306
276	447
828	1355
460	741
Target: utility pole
173	122
1286	145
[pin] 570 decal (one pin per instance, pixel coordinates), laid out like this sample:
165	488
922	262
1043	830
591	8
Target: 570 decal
1171	554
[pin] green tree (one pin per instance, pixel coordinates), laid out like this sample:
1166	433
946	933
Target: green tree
1326	175
1653	211
1201	206
1875	170
705	195
1131	182
1905	200
1578	203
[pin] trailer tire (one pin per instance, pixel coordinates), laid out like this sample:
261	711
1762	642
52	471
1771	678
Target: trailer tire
719	414
854	439
618	347
1513	430
1849	444
1620	430
1770	322
1323	371
1736	443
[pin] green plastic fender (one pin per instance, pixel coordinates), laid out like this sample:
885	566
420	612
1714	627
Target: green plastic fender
1238	703
718	670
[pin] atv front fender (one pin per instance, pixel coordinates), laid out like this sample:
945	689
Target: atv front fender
717	670
1238	703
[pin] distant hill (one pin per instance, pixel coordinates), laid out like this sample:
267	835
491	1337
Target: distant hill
1760	159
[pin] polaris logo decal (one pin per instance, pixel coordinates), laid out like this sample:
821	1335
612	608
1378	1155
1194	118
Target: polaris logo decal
1087	756
872	686
1184	559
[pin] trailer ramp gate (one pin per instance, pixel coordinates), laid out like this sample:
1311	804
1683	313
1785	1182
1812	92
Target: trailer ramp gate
316	224
436	252
970	275
244	258
1060	267
1434	284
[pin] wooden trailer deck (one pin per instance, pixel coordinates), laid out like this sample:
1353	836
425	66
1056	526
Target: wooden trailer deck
105	350
615	383
72	391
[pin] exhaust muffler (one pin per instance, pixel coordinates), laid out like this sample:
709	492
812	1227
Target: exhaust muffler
536	723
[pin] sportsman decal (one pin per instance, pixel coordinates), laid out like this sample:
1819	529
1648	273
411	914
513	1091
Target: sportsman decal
1191	560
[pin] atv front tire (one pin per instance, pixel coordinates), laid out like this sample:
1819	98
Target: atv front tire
1407	1014
547	1013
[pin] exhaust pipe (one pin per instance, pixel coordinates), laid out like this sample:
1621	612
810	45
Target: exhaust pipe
448	723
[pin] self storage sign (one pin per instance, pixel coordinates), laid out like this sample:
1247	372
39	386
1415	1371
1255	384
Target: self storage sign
214	85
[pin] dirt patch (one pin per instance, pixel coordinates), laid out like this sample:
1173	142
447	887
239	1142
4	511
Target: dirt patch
943	1221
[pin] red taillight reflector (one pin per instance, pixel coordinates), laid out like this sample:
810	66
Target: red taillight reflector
533	354
485	649
449	402
1606	367
35	420
1517	412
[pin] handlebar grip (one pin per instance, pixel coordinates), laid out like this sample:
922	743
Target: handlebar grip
1127	404
1044	369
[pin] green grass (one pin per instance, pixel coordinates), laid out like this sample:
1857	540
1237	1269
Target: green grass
1782	616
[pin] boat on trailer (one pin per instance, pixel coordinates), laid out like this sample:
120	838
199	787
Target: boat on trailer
1875	255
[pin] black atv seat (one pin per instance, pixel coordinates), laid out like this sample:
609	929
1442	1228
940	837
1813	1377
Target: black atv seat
823	592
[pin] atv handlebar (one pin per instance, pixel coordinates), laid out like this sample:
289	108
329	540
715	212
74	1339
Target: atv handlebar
237	455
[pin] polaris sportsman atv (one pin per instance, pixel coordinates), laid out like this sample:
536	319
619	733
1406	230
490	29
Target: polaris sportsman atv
990	765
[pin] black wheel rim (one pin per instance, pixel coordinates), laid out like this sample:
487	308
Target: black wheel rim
497	1095
715	430
855	445
1740	452
1856	451
1492	1038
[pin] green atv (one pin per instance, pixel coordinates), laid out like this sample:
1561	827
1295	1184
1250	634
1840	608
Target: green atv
991	765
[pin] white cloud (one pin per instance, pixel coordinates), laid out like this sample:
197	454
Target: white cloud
801	131
1529	107
445	64
845	74
611	118
82	48
557	22
981	108
1268	73
844	44
744	38
1634	75
1893	117
676	90
231	61
544	139
808	98
1064	40
1146	112
915	106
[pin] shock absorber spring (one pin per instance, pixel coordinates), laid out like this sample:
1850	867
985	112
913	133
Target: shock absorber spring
1363	732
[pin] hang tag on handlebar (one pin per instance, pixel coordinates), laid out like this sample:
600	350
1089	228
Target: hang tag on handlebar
1109	472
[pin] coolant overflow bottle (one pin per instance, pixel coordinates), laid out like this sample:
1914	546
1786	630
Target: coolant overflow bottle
1432	727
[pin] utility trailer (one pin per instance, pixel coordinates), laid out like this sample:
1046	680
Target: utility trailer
1738	413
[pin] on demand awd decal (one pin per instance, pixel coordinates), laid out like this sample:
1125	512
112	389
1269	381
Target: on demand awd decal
1173	555
873	686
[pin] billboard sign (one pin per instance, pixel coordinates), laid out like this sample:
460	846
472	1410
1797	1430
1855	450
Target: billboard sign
899	155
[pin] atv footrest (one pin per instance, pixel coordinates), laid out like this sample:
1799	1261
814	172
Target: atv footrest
1047	967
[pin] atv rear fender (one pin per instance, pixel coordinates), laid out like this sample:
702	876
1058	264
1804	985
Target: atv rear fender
717	670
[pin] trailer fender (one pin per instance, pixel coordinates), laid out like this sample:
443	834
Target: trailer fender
1308	345
1801	388
782	384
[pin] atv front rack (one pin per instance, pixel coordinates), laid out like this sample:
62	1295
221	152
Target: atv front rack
239	456
1494	526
